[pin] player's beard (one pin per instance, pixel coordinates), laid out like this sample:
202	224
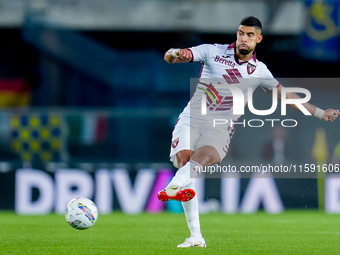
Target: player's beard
244	51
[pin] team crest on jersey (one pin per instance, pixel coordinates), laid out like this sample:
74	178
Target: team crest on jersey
175	143
250	68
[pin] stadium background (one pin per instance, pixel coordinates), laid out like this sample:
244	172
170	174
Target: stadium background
86	96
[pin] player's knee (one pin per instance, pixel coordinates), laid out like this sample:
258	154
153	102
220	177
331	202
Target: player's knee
206	155
183	157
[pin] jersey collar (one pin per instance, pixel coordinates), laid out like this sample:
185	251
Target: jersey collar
231	51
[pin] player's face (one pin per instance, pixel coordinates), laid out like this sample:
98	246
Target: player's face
247	39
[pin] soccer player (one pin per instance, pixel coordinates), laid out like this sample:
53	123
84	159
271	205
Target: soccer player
196	142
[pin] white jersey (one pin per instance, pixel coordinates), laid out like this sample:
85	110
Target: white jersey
220	71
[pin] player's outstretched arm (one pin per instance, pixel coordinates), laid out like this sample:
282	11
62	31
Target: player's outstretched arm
178	56
328	115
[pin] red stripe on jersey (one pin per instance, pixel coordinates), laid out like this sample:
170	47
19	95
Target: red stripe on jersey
232	45
192	56
222	109
199	77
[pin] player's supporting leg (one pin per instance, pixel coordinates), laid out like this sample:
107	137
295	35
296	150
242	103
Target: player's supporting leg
205	155
192	215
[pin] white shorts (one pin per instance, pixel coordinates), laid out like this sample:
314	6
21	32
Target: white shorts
191	134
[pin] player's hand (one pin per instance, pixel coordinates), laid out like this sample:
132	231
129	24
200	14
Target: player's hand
184	55
178	56
331	115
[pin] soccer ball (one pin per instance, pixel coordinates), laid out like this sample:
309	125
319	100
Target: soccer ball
81	213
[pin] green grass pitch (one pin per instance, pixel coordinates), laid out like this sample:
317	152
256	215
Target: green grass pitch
292	232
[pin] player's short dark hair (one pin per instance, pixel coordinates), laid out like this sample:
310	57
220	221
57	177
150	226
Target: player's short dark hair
251	21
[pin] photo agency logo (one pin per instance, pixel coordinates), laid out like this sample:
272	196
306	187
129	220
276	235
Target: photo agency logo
219	98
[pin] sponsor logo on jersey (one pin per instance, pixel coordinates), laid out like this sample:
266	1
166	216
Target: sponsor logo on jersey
224	61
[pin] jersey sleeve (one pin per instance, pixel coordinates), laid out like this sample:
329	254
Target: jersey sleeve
201	52
268	82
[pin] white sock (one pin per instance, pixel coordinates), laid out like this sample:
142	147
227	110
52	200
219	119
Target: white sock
185	175
192	214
